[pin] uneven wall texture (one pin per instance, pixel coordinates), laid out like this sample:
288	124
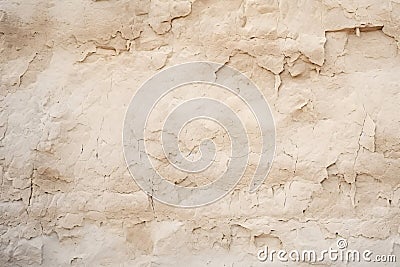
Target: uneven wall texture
330	70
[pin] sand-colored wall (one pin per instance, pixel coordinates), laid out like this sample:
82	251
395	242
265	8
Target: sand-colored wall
329	69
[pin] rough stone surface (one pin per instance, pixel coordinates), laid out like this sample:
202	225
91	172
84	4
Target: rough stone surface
68	69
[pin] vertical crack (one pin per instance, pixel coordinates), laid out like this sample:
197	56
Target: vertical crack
359	138
31	187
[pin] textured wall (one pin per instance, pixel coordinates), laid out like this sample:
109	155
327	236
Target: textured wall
330	70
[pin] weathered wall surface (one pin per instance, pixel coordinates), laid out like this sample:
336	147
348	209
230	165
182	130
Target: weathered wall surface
330	70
